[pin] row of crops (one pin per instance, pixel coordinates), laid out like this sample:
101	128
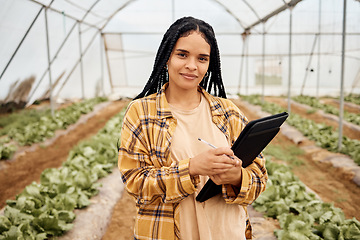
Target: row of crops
46	209
301	215
32	126
353	98
324	136
316	104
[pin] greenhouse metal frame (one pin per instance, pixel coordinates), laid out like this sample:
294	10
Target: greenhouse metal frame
90	19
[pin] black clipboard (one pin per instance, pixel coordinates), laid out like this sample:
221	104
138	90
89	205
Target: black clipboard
252	140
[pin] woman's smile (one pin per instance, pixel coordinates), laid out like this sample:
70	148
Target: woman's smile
189	76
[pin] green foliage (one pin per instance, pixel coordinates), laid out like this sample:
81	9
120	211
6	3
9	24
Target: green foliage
6	149
22	117
46	209
46	125
286	153
31	126
322	134
300	214
315	103
353	98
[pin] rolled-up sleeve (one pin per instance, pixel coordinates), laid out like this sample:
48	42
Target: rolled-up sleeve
253	182
253	177
147	178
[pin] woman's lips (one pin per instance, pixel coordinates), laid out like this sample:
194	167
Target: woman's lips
189	76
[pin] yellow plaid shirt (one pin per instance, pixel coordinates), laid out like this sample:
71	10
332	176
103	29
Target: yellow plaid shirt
156	182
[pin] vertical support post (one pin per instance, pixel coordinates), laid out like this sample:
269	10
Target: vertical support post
247	68
123	60
319	48
342	78
263	66
81	63
49	63
244	38
102	63
290	60
309	63
108	64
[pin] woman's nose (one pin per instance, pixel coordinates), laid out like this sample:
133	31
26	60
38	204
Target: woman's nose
191	64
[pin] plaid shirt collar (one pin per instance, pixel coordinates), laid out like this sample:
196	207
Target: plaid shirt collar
163	108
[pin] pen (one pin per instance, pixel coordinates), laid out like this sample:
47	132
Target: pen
202	140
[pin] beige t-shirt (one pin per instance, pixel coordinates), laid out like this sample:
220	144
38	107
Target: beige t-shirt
212	219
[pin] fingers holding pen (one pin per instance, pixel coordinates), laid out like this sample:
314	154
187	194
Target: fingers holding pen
224	150
230	158
213	161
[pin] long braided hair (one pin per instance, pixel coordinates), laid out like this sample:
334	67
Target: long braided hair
212	82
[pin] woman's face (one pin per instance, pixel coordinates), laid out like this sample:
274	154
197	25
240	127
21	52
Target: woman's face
188	62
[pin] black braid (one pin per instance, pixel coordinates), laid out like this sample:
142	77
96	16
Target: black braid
212	83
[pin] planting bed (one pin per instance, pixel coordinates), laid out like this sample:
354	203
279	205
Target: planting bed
349	130
329	183
30	162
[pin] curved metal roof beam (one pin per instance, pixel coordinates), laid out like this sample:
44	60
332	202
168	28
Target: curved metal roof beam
21	42
82	8
63	13
252	9
89	11
228	10
118	10
292	3
51	3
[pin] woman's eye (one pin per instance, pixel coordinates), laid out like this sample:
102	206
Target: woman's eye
181	54
203	59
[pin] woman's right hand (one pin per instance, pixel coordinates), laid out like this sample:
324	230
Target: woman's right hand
212	162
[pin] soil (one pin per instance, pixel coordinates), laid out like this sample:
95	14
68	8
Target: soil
122	221
16	174
330	184
315	116
351	108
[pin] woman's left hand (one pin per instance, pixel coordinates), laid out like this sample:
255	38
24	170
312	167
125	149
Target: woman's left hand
231	176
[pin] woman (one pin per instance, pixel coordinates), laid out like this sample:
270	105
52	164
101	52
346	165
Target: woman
162	163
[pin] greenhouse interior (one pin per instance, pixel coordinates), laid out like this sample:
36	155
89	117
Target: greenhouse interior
69	70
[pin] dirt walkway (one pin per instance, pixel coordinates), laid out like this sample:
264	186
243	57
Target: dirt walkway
122	222
16	174
349	107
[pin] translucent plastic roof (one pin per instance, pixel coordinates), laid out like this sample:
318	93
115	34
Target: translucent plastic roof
91	12
83	47
97	13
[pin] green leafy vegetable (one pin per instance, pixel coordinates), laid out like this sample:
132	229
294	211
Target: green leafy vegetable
45	209
323	135
300	214
315	103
